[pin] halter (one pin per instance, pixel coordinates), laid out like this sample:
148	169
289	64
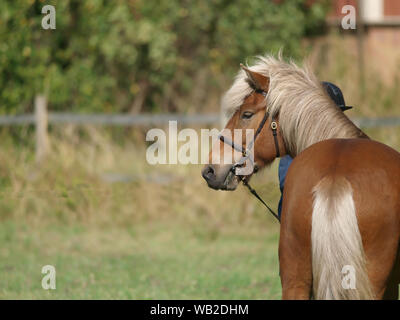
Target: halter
246	152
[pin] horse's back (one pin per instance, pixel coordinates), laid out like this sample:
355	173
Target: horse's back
350	157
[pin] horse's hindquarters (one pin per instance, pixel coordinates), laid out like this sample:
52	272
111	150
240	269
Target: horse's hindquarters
338	194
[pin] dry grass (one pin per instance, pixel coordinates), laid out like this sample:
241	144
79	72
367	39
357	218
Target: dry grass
74	184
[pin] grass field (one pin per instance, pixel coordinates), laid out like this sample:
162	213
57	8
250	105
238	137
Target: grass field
139	238
134	239
146	261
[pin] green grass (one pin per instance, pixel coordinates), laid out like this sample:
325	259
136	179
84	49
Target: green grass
146	261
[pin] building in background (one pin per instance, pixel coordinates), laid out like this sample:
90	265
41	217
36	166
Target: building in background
374	13
380	24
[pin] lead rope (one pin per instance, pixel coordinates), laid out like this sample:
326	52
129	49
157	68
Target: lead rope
254	193
274	128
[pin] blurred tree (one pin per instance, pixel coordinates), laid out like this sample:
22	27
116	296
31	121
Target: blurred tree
139	55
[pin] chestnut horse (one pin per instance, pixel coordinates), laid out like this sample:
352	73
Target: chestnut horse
341	202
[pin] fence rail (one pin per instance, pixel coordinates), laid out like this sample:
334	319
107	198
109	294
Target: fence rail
377	122
157	119
113	119
42	118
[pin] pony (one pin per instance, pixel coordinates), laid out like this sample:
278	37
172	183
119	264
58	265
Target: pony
340	223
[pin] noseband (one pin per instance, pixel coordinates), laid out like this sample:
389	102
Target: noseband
246	152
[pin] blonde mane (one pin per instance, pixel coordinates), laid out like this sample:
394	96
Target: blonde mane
306	112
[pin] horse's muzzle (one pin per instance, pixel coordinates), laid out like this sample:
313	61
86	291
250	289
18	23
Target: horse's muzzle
219	178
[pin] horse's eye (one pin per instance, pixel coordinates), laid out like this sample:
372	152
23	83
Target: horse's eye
247	115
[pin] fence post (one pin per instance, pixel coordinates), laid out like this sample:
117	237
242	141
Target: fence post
42	140
360	48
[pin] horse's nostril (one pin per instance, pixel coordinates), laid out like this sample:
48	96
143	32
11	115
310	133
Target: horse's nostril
208	173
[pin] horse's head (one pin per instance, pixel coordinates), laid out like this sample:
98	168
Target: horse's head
250	153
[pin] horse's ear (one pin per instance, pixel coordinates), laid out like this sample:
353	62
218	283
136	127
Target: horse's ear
257	79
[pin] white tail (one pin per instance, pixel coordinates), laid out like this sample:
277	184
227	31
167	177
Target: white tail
336	242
